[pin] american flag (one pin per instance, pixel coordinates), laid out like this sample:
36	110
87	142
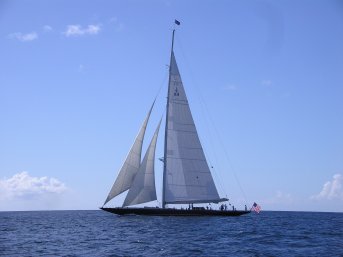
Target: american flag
255	207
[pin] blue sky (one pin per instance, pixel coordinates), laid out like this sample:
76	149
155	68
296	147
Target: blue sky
264	79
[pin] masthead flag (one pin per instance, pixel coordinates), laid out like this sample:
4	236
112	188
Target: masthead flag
177	22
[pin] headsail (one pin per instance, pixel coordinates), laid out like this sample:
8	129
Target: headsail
187	176
131	165
143	187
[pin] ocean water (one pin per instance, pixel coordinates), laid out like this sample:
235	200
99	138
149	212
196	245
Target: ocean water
97	233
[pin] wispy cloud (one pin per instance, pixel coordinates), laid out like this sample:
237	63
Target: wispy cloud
23	37
22	185
331	189
47	28
78	30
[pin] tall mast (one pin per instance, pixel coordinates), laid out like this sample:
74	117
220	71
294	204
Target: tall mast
166	129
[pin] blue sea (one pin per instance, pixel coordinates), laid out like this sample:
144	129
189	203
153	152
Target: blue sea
97	233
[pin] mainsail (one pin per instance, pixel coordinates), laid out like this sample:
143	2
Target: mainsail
131	165
143	187
187	177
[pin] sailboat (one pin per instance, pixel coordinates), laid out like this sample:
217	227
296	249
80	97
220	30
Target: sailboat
186	175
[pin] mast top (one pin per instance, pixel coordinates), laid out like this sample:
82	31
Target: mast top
178	24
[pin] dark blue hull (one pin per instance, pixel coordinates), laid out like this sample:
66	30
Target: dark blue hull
172	212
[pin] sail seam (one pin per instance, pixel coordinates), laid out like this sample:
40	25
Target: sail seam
178	102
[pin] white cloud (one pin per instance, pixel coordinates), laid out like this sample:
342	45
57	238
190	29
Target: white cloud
47	28
78	30
331	189
22	185
24	37
92	29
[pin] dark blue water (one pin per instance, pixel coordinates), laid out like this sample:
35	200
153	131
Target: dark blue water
97	233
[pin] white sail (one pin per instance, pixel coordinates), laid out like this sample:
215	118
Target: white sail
187	175
131	165
143	187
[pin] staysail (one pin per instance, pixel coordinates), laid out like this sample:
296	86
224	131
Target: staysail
143	187
131	165
187	177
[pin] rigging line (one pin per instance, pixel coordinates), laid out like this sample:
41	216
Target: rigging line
211	140
226	153
213	124
228	158
162	83
219	181
208	156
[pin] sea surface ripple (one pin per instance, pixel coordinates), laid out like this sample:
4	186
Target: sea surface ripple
97	233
